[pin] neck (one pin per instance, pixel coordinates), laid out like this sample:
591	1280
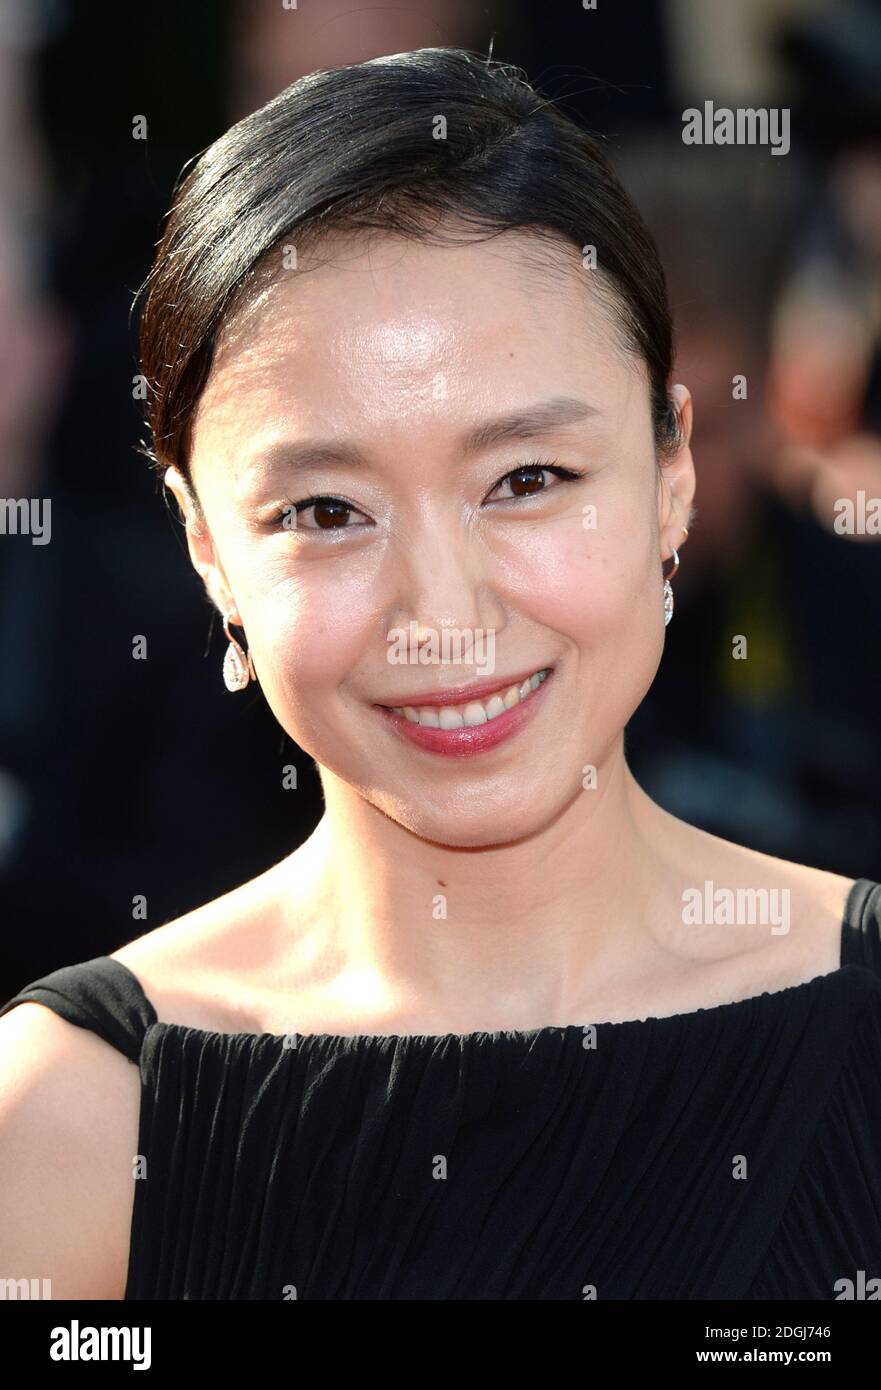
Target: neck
422	936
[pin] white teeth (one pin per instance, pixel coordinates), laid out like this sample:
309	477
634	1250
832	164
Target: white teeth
476	711
450	718
474	714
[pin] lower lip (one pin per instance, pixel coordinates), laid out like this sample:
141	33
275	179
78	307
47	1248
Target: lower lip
466	742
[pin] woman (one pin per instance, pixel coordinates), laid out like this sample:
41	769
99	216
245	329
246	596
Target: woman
501	1027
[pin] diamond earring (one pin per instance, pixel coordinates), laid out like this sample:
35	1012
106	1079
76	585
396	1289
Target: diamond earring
238	666
668	589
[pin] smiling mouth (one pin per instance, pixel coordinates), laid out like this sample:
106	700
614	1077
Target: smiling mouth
470	713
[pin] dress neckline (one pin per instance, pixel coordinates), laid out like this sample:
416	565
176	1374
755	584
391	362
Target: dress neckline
516	1035
847	969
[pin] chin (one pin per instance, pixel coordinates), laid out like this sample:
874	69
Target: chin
483	825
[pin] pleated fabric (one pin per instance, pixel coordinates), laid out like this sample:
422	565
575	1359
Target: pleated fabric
733	1152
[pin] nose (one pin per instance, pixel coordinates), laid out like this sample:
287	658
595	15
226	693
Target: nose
445	581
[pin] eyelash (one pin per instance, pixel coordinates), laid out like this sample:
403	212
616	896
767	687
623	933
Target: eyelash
535	465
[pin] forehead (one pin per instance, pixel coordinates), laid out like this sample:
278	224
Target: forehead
366	330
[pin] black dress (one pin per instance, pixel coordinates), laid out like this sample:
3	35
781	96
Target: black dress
733	1152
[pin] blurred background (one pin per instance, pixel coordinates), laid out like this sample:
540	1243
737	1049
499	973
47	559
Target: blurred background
122	778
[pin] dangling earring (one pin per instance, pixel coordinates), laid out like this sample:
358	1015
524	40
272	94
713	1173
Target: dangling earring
668	588
238	667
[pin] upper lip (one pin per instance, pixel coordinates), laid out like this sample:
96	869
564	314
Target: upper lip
460	694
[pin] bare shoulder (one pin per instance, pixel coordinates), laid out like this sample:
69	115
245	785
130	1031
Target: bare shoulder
792	912
816	898
818	903
69	1113
70	1102
207	968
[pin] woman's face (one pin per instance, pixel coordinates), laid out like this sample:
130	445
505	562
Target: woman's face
390	356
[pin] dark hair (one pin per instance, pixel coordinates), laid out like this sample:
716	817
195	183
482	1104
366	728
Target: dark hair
354	148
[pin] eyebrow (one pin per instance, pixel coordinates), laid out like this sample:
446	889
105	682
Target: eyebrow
541	418
537	419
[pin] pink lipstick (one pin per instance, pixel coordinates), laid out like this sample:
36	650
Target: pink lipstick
468	740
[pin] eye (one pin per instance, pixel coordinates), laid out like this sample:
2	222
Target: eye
528	480
330	514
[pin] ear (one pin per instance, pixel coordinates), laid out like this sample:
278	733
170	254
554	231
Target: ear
676	482
200	543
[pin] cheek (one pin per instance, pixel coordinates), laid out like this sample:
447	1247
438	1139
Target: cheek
307	631
589	584
602	592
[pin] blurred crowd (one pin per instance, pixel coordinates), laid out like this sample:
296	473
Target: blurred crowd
122	778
